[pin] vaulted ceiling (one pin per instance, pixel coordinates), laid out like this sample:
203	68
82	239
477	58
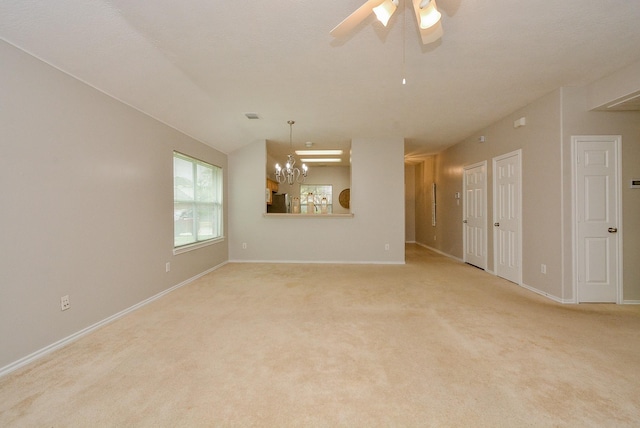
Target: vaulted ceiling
201	65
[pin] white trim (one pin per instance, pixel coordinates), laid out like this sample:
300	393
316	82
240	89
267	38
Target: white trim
197	245
620	293
575	139
631	302
547	295
517	153
435	250
574	238
523	285
485	213
321	262
77	335
563	223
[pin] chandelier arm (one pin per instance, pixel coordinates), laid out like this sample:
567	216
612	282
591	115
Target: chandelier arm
290	173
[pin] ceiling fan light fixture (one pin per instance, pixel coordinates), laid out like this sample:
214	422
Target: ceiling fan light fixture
384	10
429	14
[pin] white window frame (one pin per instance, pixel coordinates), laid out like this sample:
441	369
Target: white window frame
190	195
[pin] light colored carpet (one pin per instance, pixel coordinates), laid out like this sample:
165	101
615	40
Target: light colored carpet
431	343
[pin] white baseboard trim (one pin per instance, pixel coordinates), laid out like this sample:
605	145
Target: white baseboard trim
337	262
523	285
547	295
631	302
435	250
77	335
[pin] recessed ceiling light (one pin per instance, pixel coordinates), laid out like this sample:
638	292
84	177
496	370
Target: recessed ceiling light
318	152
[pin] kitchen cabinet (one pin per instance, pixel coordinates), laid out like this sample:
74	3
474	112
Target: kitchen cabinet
272	187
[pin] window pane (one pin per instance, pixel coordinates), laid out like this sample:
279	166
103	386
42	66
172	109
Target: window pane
183	224
204	189
319	191
197	212
183	189
205	222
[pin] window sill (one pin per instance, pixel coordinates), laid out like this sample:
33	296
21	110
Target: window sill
197	245
290	215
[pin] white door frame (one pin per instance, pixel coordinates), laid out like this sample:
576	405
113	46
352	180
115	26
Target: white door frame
575	139
484	207
517	153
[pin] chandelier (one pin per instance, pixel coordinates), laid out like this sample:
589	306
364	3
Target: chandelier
290	173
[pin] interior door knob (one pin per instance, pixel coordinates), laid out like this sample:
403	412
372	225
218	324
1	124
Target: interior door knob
613	229
464	221
496	224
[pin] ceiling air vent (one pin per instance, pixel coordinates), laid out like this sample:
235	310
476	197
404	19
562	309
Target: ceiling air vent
252	115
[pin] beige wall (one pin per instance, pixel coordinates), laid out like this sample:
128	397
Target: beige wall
616	87
579	121
545	142
539	142
409	203
377	204
425	232
87	207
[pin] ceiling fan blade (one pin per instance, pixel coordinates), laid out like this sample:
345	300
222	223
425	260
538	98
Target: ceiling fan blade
351	21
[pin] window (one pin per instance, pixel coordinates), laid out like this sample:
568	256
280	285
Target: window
197	201
319	191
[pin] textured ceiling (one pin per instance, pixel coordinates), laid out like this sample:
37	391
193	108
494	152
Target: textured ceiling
199	65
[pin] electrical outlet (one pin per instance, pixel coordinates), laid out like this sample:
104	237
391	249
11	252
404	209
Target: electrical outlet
64	303
244	245
543	268
167	267
386	247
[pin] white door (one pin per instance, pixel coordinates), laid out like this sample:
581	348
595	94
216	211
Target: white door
596	217
475	215
507	216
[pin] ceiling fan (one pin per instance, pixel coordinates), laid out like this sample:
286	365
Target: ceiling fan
426	12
